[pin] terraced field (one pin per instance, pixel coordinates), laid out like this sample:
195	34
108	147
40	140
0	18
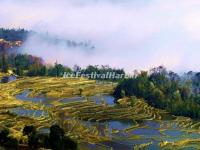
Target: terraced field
139	126
91	117
36	107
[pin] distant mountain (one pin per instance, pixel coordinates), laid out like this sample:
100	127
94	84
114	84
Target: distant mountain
54	40
13	35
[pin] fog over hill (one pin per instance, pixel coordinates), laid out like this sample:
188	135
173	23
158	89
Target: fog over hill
130	34
57	49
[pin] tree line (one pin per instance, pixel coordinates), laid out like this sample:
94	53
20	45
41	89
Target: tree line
164	89
14	34
55	140
29	65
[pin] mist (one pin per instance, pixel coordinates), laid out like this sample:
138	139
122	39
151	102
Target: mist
54	49
129	34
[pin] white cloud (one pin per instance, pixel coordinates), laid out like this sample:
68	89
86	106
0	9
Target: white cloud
191	23
131	34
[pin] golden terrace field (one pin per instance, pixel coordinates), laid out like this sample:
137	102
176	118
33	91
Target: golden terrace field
56	88
73	115
62	88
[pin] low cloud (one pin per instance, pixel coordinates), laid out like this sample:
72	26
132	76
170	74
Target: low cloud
135	34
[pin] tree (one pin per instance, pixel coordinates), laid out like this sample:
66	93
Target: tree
4	46
80	91
7	141
11	143
133	100
33	139
59	141
19	70
3	135
56	137
76	68
69	144
14	34
174	76
163	89
57	70
32	71
28	130
43	71
185	93
44	141
123	93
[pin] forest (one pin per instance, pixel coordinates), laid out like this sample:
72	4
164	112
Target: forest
165	89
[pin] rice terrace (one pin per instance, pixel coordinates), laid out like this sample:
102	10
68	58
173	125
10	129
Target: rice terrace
99	75
92	118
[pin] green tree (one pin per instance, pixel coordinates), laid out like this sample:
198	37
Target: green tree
59	141
43	71
56	137
80	91
33	140
7	141
19	71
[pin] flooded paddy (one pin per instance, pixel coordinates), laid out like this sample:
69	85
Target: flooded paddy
123	133
28	112
93	119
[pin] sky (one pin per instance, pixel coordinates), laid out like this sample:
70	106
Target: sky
129	34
